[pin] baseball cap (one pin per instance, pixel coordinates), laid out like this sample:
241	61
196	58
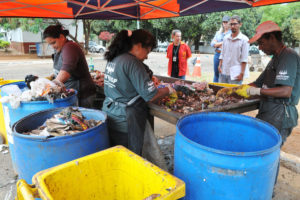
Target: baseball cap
226	18
265	27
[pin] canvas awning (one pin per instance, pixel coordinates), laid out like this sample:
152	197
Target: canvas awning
122	9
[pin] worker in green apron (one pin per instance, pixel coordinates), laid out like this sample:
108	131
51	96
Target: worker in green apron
279	83
128	86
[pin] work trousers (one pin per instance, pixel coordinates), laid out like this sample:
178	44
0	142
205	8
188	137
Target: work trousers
226	79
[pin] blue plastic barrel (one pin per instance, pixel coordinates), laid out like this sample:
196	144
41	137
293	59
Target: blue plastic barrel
226	156
36	153
39	48
13	115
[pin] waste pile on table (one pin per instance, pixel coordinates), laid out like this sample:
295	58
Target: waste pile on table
41	89
98	77
69	121
194	97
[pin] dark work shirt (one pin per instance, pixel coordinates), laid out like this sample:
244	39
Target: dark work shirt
175	68
72	59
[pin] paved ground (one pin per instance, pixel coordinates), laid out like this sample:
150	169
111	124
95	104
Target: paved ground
16	67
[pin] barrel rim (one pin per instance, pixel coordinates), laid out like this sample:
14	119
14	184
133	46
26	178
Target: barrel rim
229	153
39	102
45	138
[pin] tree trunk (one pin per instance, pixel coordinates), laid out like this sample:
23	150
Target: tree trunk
86	30
196	43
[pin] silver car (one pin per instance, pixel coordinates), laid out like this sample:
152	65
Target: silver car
96	48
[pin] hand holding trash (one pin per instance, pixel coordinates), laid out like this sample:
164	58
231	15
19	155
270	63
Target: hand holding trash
240	91
51	77
171	89
58	83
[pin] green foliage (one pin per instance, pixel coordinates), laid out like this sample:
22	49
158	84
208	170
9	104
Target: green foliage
4	44
194	28
283	15
296	28
9	23
250	18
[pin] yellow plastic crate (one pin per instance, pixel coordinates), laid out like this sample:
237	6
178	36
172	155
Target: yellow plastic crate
115	173
2	123
224	84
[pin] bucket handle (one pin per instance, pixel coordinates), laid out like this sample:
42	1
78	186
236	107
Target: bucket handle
26	191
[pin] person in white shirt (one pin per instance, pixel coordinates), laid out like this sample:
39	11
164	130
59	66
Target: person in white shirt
234	54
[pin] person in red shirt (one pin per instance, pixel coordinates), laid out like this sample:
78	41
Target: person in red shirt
178	52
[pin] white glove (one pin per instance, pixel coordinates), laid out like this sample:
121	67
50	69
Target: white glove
171	89
252	91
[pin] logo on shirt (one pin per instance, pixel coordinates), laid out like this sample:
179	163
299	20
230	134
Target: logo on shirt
282	75
109	79
151	86
110	67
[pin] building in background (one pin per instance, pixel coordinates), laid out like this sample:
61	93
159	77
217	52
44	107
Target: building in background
25	42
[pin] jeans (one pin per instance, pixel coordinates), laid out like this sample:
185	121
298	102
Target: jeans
216	65
226	79
180	77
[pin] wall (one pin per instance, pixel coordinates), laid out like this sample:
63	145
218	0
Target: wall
20	40
204	49
32	37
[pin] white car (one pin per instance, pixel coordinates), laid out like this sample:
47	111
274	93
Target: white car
96	48
161	48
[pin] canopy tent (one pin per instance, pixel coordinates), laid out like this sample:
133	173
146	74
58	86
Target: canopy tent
122	9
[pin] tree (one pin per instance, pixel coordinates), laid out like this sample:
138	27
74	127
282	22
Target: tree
87	30
251	18
296	30
106	36
283	14
4	45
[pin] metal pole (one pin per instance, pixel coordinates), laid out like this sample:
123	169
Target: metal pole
137	24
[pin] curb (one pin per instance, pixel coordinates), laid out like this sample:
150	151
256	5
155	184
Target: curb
41	60
290	161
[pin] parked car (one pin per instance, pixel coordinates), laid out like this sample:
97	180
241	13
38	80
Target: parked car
96	48
161	48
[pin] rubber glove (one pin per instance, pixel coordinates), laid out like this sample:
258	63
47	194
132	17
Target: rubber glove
252	91
242	91
224	91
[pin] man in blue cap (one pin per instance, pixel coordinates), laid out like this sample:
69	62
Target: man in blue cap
217	42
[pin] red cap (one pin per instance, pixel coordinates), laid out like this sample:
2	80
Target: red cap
265	27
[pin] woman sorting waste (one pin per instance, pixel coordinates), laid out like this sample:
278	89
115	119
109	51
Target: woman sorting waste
70	66
128	86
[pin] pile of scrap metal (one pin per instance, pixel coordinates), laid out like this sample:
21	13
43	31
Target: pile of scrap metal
198	96
98	77
69	121
39	89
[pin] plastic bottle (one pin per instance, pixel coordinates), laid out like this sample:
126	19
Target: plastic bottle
91	65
